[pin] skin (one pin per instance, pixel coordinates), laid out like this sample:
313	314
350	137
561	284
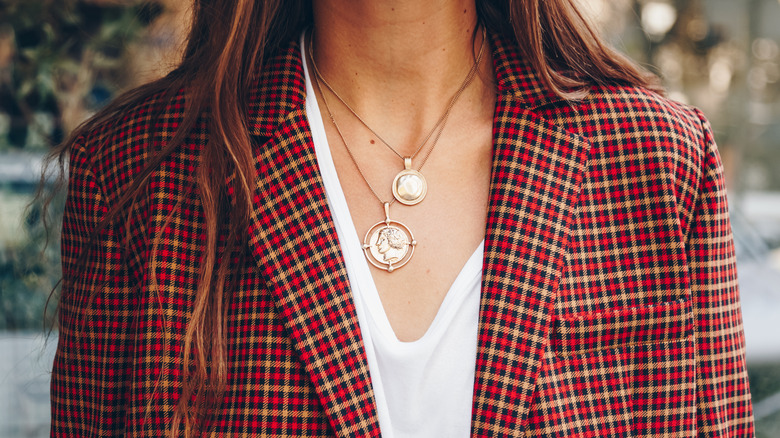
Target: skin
398	63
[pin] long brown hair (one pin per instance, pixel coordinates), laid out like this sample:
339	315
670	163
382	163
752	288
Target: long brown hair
228	44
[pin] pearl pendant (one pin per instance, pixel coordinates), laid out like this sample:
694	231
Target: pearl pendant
409	185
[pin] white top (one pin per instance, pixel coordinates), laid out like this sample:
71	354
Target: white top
423	388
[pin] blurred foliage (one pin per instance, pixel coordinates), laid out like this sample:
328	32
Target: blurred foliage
28	272
59	54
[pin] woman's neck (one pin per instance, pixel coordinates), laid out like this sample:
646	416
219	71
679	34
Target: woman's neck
398	62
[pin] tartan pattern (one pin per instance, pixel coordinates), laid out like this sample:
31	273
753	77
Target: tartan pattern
629	326
652	259
533	190
609	300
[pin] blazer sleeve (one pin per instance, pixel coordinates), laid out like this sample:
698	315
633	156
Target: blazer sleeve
92	362
723	395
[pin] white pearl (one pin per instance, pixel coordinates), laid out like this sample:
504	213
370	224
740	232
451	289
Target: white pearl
409	187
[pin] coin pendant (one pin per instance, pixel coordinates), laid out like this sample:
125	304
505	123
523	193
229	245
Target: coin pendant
389	245
409	187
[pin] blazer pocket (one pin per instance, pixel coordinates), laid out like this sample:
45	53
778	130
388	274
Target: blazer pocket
663	322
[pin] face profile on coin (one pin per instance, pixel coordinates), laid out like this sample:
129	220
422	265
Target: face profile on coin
389	245
392	244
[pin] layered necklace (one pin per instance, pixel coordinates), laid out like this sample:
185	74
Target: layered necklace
390	244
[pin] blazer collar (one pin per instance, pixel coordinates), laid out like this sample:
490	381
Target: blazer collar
536	174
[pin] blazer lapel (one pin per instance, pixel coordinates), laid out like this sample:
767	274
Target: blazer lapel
536	176
294	242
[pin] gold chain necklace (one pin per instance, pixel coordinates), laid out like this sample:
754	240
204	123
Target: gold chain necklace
390	244
409	185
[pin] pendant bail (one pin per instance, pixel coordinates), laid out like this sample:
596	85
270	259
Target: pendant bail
407	163
387	212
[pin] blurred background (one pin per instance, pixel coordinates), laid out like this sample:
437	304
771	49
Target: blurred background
61	60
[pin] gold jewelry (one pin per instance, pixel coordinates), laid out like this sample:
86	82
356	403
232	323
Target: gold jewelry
389	244
409	185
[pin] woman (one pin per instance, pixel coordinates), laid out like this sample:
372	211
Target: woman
561	265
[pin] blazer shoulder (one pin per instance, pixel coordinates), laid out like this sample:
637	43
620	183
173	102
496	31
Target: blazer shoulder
621	120
642	141
642	101
118	147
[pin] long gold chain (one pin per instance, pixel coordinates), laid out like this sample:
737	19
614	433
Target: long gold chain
389	244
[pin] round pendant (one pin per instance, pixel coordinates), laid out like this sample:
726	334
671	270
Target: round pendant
409	187
389	245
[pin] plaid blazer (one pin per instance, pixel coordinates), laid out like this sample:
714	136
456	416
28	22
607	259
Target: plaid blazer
609	301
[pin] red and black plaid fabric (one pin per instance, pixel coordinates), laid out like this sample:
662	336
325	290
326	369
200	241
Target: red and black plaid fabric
609	298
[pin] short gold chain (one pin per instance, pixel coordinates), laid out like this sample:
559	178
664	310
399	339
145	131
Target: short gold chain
439	124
